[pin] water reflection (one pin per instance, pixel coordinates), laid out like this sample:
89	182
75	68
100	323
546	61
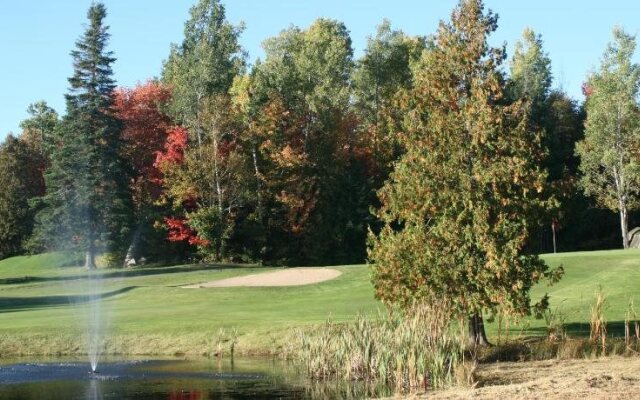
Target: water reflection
187	395
94	390
169	379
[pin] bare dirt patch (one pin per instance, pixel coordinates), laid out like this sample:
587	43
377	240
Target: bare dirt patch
605	378
285	277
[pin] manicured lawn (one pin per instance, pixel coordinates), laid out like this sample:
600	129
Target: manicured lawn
151	303
147	310
617	272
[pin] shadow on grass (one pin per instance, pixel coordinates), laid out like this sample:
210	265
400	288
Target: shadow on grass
127	273
583	329
14	304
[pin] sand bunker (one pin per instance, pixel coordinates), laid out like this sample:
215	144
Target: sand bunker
285	277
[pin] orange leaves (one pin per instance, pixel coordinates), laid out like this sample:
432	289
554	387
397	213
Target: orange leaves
298	208
288	157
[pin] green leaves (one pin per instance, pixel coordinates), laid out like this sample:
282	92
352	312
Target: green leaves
459	204
204	64
609	161
21	180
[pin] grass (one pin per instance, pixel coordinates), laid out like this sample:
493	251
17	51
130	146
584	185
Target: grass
149	313
42	300
615	272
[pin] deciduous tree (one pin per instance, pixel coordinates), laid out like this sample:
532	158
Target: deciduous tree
608	159
313	168
203	65
40	128
382	71
145	128
21	180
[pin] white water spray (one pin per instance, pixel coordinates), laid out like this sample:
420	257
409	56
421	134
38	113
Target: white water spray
94	319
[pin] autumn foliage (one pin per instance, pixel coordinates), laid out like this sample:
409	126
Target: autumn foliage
145	131
179	231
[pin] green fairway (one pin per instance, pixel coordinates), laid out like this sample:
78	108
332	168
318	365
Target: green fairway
38	297
42	303
617	272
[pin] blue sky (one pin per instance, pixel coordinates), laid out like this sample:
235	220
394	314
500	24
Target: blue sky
36	36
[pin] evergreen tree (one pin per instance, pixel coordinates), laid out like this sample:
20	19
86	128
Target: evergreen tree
87	204
458	206
608	153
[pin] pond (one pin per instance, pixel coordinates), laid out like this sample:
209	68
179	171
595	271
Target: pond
172	379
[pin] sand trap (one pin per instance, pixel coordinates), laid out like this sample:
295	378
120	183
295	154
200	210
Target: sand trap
285	277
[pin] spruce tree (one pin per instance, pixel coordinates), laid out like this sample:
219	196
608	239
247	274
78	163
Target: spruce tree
87	205
459	202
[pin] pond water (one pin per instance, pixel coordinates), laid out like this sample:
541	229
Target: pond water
163	379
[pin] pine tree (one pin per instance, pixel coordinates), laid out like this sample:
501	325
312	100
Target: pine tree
87	204
459	203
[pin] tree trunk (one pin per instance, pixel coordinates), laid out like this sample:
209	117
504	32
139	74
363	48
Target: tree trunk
216	174
254	154
624	226
132	251
90	256
477	334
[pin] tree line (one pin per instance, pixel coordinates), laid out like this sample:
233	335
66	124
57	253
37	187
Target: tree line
309	154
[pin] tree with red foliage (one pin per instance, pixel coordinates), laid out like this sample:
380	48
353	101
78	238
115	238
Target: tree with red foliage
146	129
144	132
173	149
169	162
179	231
206	181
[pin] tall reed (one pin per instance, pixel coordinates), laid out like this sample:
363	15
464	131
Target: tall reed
631	316
402	350
598	323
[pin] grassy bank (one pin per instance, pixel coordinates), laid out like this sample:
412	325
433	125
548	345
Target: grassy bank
43	302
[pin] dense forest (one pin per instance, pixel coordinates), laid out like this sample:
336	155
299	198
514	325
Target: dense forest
285	160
